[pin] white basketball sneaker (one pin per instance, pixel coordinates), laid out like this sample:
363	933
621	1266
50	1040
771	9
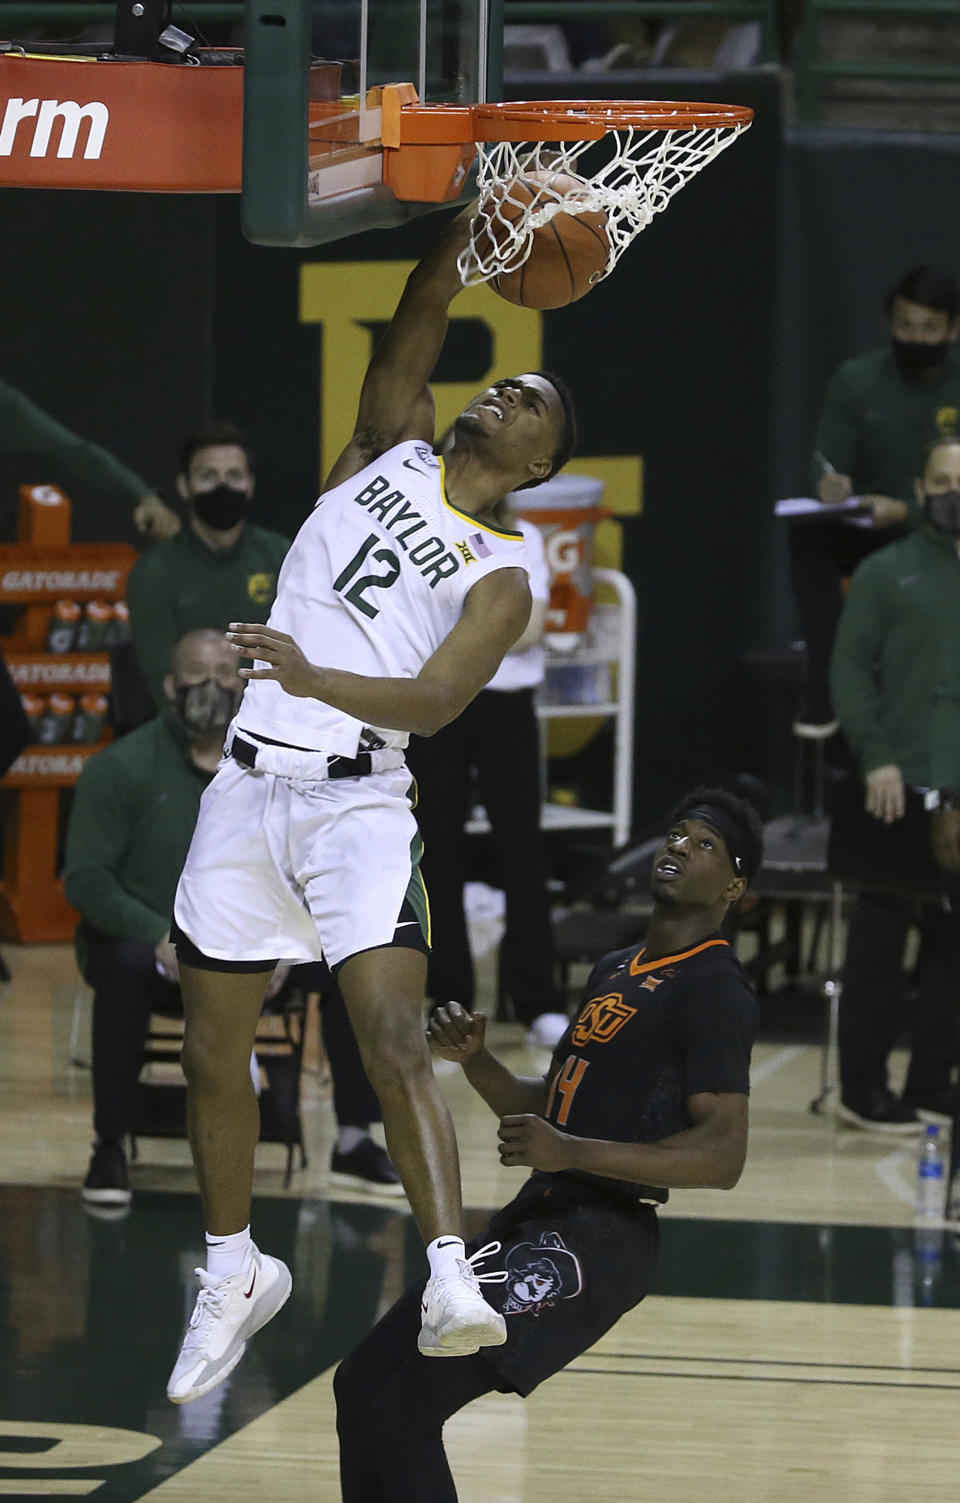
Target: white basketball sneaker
456	1320
227	1312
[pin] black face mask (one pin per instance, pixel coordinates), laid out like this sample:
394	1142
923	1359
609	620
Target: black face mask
207	707
221	508
915	358
943	511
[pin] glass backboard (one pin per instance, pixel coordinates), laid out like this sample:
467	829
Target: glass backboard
315	71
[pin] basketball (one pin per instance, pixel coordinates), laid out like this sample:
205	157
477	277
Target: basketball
568	255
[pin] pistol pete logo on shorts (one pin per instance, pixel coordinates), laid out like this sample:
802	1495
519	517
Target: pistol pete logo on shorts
947	419
539	1274
602	1018
261	588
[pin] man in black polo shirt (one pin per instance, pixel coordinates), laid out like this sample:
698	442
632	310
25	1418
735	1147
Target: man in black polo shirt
647	1091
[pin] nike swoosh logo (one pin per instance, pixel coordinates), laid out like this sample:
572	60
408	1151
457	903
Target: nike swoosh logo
423	1306
252	1282
449	1242
405	923
416	468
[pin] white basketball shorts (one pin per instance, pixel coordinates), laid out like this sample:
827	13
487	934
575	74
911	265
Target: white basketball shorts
281	868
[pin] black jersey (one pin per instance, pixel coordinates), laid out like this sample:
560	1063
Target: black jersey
648	1035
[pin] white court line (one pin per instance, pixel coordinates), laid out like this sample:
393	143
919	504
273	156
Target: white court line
888	1172
775	1062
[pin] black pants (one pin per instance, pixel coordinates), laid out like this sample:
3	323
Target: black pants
127	989
492	751
594	1258
355	1102
822	556
392	1405
872	988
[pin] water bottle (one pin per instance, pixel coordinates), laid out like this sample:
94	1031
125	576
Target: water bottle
930	1175
928	1260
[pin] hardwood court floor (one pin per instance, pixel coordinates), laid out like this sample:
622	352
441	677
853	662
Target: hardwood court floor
800	1342
735	1400
800	1167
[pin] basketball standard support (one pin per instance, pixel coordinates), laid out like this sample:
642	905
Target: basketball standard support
276	90
138	26
276	209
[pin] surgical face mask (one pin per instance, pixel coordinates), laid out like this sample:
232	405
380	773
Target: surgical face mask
205	708
914	358
221	508
943	511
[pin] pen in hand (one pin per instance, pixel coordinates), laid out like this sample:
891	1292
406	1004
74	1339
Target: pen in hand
834	488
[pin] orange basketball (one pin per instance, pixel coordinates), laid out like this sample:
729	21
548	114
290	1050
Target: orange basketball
568	255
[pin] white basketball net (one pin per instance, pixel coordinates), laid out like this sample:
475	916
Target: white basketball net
644	169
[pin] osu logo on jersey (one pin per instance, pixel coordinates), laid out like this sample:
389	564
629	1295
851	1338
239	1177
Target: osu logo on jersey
261	588
602	1018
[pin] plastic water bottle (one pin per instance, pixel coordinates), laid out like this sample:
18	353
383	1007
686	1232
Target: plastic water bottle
930	1175
927	1260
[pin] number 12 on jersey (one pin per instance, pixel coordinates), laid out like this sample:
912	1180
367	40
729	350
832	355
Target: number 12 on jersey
367	581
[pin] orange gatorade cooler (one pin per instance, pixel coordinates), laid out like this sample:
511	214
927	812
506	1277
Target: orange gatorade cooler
93	629
64	621
57	721
90	719
567	510
34	706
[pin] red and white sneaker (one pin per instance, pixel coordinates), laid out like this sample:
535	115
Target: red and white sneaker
227	1313
456	1320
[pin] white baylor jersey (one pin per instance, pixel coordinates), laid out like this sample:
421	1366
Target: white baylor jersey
375	580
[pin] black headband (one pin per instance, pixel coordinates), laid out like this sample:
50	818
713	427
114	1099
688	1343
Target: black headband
718	819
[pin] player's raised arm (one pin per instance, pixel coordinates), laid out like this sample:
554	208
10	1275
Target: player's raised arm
395	401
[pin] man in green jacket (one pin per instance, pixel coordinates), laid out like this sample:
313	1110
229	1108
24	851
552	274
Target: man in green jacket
26	429
131	823
219	568
880	414
130	827
902	610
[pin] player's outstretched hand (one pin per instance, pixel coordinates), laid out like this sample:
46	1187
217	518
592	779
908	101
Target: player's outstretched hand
267	645
529	1140
455	1033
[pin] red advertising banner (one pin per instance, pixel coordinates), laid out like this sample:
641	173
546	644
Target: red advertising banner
135	126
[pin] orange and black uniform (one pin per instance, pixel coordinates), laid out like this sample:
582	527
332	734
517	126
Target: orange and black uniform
579	1249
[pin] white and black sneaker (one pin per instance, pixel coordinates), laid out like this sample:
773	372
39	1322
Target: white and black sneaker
456	1320
107	1183
227	1313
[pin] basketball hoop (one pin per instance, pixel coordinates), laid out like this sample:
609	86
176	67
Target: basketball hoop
640	155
